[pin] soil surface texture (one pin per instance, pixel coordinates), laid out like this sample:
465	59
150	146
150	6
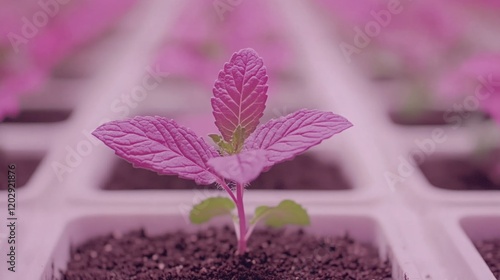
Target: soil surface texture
303	172
210	254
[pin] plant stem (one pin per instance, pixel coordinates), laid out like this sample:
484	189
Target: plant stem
242	241
228	190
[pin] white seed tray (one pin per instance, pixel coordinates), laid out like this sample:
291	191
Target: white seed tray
426	232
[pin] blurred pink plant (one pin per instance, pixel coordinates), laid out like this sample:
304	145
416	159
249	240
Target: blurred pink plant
419	33
72	26
200	40
477	76
351	12
422	34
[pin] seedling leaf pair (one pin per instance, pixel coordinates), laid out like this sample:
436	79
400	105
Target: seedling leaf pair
287	212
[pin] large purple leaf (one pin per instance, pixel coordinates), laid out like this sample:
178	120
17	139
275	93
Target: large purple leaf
241	168
161	145
288	136
240	94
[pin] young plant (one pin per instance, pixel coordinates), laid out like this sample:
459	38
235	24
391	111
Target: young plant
244	149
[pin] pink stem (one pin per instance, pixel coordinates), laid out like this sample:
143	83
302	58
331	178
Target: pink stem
228	190
242	242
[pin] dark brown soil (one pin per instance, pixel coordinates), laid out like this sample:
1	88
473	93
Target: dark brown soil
25	167
303	172
490	250
456	173
431	117
423	118
39	116
210	254
125	177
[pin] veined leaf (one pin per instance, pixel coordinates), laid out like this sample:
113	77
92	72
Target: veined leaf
160	145
288	136
240	94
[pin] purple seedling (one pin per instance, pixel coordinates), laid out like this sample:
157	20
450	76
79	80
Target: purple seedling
244	149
